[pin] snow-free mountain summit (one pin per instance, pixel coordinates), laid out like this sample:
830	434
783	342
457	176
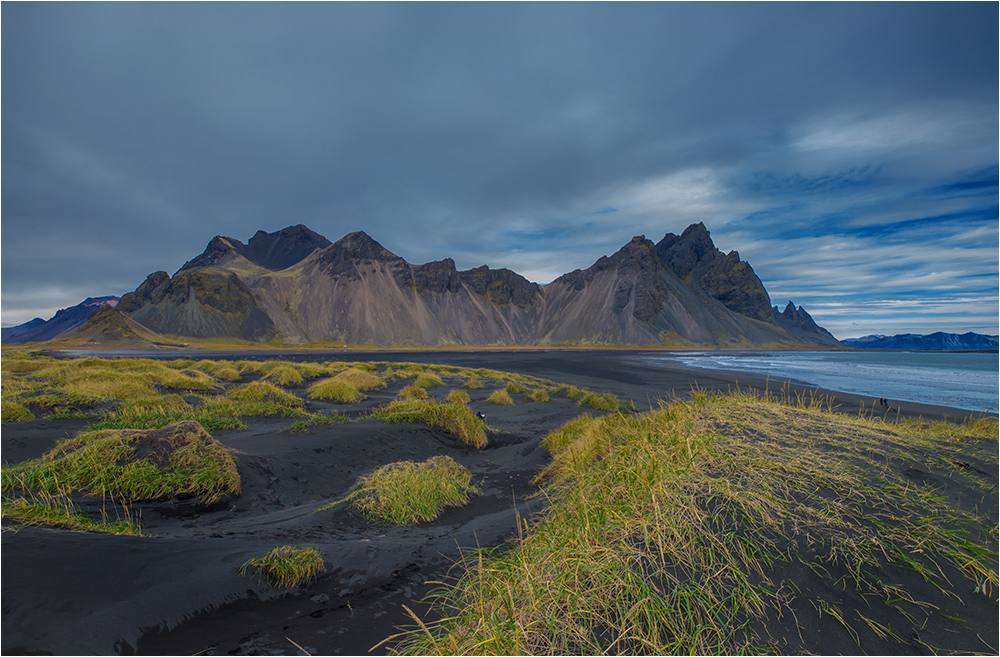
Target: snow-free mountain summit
297	285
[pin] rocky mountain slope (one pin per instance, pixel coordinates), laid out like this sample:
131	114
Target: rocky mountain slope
296	284
939	341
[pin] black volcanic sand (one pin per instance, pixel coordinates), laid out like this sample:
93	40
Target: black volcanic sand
178	591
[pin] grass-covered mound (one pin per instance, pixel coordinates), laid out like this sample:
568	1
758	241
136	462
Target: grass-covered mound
734	524
333	390
287	565
130	465
407	492
360	379
455	418
500	398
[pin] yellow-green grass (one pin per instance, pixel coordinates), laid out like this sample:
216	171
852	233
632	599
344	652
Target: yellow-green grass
220	369
303	426
407	492
287	566
360	379
59	511
265	398
458	396
455	418
539	395
665	528
428	380
60	387
473	384
14	412
130	465
500	398
601	401
283	372
516	388
413	392
336	391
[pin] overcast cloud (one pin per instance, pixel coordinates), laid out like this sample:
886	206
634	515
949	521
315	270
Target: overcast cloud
849	152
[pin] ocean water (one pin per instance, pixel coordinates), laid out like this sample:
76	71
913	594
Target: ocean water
959	380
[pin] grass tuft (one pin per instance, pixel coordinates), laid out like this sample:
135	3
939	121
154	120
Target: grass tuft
413	392
428	380
287	566
539	395
458	396
359	379
456	419
15	412
406	492
500	398
336	391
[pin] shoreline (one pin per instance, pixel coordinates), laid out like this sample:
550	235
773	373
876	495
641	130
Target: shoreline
177	591
535	360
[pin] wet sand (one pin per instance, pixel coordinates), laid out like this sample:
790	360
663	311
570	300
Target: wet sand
178	590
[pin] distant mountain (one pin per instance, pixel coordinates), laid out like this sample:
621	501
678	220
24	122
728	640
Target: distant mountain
296	284
934	342
65	320
109	326
10	332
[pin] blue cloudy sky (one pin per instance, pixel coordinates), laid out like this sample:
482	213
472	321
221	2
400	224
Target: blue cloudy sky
849	152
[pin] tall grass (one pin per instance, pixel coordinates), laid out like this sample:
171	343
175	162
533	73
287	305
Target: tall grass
336	391
663	526
131	465
287	566
500	398
408	493
456	419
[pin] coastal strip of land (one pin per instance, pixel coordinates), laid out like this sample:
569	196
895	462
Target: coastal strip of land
178	590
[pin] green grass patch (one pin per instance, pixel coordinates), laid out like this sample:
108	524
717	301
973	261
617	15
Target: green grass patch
336	391
539	395
303	426
458	397
666	533
131	466
473	384
287	566
428	380
262	398
516	388
407	493
500	398
15	412
413	392
360	379
456	419
59	511
601	401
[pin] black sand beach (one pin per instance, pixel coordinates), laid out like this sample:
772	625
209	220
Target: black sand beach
178	591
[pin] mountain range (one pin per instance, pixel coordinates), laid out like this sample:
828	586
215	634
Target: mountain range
64	321
933	342
296	285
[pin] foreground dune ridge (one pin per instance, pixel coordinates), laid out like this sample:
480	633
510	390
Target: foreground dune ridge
764	584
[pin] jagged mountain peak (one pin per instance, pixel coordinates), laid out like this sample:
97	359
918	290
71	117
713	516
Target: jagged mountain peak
682	254
274	251
360	245
284	248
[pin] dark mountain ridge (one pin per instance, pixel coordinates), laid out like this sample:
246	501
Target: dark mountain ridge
939	341
64	321
297	285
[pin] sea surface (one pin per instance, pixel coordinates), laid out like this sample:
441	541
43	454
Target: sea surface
959	380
